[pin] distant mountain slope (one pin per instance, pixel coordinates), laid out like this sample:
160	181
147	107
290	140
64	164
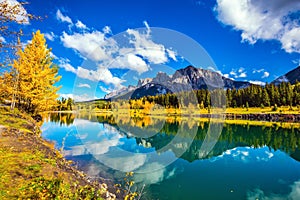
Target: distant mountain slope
189	78
291	77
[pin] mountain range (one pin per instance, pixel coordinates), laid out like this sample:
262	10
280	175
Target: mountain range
292	76
189	78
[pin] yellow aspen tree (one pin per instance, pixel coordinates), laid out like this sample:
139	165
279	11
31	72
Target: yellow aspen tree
37	76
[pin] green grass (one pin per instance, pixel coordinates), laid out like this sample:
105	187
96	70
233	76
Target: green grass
16	119
197	111
29	168
266	110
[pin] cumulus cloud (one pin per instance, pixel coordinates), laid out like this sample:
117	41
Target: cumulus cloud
101	74
97	47
262	20
2	39
93	45
259	71
80	25
258	82
296	62
21	16
64	63
265	75
83	85
63	18
238	73
50	36
107	30
53	55
147	49
78	98
104	89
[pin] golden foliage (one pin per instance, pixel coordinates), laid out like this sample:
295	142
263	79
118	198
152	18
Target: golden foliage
33	76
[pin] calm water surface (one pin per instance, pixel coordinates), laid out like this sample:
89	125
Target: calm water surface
180	159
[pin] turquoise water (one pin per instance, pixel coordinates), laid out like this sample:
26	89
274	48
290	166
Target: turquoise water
181	159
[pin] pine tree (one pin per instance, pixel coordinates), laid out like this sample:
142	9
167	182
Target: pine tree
265	98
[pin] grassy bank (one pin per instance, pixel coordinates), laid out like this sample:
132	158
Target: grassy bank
31	168
158	110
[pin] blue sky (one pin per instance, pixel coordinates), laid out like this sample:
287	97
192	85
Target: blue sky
251	40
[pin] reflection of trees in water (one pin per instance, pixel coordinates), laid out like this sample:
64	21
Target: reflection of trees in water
62	118
233	135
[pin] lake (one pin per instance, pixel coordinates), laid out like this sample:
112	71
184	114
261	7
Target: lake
182	158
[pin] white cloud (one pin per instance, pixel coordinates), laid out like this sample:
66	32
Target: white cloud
146	48
24	44
83	85
53	55
50	36
101	74
66	96
2	39
262	20
296	62
226	75
258	71
233	73
62	18
67	66
80	25
106	53
291	40
258	82
238	73
266	75
107	30
78	98
105	89
172	54
93	45
242	75
241	70
21	16
130	61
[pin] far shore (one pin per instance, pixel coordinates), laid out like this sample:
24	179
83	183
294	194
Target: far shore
282	114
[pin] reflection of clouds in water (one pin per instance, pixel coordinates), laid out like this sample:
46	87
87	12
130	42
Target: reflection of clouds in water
246	154
152	177
259	194
100	147
122	161
109	130
83	123
81	136
107	137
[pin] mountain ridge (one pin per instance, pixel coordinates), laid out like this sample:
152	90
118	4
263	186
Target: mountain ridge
291	76
188	78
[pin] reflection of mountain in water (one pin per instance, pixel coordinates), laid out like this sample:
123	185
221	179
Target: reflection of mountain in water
232	136
158	133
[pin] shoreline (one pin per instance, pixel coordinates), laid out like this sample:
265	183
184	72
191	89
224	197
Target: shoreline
46	166
268	117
